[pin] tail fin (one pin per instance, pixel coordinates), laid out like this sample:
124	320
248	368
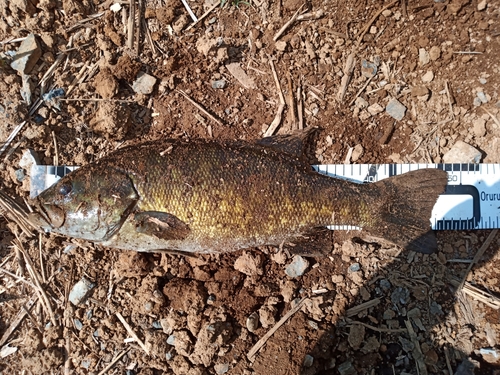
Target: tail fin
403	216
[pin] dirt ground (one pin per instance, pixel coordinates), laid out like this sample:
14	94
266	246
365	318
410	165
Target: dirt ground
367	308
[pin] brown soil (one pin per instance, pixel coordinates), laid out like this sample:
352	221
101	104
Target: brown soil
191	312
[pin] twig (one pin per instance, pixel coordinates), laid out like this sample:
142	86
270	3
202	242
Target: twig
204	15
300	106
67	359
200	107
191	14
467	53
291	100
132	333
21	279
417	352
18	319
95	100
36	279
382	330
10	209
287	25
368	25
148	36
448	95
56	154
277	119
139	26
447	357
11	137
116	359
348	70
478	256
130	25
495	120
255	349
366	305
478	294
361	90
42	268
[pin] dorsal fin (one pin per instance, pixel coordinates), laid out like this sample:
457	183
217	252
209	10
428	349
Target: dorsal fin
292	144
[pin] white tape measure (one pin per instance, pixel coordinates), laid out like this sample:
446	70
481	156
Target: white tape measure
471	199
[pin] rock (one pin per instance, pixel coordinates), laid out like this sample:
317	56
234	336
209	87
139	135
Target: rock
252	322
400	296
105	83
389	314
267	316
481	5
80	291
360	102
368	69
346	368
479	127
297	267
280	45
436	308
375	109
423	56
27	55
240	75
356	336
221	368
435	53
249	263
482	97
355	267
419	91
219	84
356	153
144	83
461	152
395	109
308	361
428	77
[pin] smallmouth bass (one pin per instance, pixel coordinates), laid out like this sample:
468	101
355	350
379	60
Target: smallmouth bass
217	196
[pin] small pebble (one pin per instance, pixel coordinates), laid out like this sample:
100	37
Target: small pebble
355	267
297	268
78	324
169	356
346	368
27	55
221	368
423	56
479	127
86	363
395	109
157	325
481	5
308	360
482	81
80	291
428	77
253	322
20	176
368	69
171	340
144	83
361	103
375	109
482	97
219	84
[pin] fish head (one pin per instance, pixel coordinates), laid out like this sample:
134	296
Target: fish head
90	203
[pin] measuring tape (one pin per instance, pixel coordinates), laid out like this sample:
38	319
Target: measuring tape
471	199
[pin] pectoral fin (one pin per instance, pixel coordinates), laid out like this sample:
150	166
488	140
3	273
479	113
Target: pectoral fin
162	225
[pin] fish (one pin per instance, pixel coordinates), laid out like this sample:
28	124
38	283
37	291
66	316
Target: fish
213	196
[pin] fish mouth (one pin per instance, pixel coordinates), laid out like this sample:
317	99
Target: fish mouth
48	216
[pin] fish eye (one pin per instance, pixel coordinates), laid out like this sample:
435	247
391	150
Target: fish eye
65	189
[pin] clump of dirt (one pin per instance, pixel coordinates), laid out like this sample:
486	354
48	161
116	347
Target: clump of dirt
112	119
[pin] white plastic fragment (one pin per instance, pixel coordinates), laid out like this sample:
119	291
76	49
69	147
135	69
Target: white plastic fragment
144	83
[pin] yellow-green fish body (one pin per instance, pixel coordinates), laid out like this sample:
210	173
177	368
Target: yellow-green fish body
215	196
